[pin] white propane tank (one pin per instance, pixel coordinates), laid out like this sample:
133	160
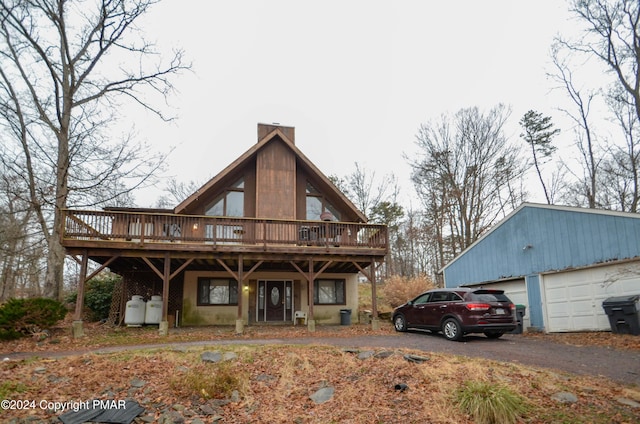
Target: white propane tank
134	313
154	311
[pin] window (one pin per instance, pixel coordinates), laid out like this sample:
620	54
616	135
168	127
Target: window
230	203
422	299
329	292
217	291
440	297
316	204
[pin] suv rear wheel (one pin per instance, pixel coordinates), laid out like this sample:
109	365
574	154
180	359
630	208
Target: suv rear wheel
451	329
399	323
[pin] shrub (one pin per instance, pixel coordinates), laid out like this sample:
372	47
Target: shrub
19	317
97	295
488	403
398	289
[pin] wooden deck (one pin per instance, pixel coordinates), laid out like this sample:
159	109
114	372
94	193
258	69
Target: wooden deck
133	231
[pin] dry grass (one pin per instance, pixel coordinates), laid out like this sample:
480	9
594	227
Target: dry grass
274	384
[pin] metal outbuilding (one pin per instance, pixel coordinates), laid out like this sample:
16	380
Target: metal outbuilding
561	262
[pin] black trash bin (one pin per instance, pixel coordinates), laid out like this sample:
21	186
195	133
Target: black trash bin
623	314
345	316
521	310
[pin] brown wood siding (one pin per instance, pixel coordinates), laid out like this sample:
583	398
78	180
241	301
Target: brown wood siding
275	182
250	190
265	129
301	194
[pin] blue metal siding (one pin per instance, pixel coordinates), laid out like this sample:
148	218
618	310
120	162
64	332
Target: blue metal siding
534	299
559	239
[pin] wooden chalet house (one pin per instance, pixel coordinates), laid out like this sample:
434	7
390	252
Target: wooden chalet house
267	240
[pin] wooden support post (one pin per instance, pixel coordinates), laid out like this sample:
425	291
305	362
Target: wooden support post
163	328
240	277
375	323
311	321
77	328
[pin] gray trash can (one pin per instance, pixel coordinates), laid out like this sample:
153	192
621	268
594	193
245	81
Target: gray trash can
345	316
623	314
521	310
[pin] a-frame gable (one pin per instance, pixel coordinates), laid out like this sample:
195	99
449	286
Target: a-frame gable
269	133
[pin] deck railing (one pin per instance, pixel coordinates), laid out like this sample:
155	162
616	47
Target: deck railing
207	230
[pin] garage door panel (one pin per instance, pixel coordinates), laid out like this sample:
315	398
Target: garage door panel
586	322
562	323
583	291
557	293
583	307
629	286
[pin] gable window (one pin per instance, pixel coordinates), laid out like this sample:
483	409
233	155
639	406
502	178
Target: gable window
329	292
317	204
229	203
217	291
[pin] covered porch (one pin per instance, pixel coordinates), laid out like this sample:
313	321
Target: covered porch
168	249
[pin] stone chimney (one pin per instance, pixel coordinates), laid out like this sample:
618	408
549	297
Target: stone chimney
266	129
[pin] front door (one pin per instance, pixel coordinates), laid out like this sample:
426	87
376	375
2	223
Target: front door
274	300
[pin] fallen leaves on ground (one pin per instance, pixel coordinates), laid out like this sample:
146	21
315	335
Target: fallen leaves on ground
276	382
593	338
99	335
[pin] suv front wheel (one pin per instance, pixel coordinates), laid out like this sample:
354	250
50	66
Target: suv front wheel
451	329
399	323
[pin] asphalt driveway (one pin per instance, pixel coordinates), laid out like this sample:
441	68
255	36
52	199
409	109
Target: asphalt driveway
618	365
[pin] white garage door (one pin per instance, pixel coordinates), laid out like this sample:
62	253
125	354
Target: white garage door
573	299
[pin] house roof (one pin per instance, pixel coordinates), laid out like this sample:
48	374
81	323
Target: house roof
537	238
285	135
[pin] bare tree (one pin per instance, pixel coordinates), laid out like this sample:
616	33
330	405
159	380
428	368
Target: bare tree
416	252
20	247
64	64
366	190
465	174
621	173
176	192
538	134
586	186
377	199
612	35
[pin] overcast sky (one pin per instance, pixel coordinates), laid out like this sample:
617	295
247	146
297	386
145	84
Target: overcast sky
355	78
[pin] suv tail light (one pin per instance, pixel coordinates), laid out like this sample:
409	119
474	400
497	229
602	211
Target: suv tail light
478	306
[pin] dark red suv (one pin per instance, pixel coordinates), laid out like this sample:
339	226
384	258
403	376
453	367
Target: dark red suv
457	312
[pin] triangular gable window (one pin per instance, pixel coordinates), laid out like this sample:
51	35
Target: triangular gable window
230	203
317	204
